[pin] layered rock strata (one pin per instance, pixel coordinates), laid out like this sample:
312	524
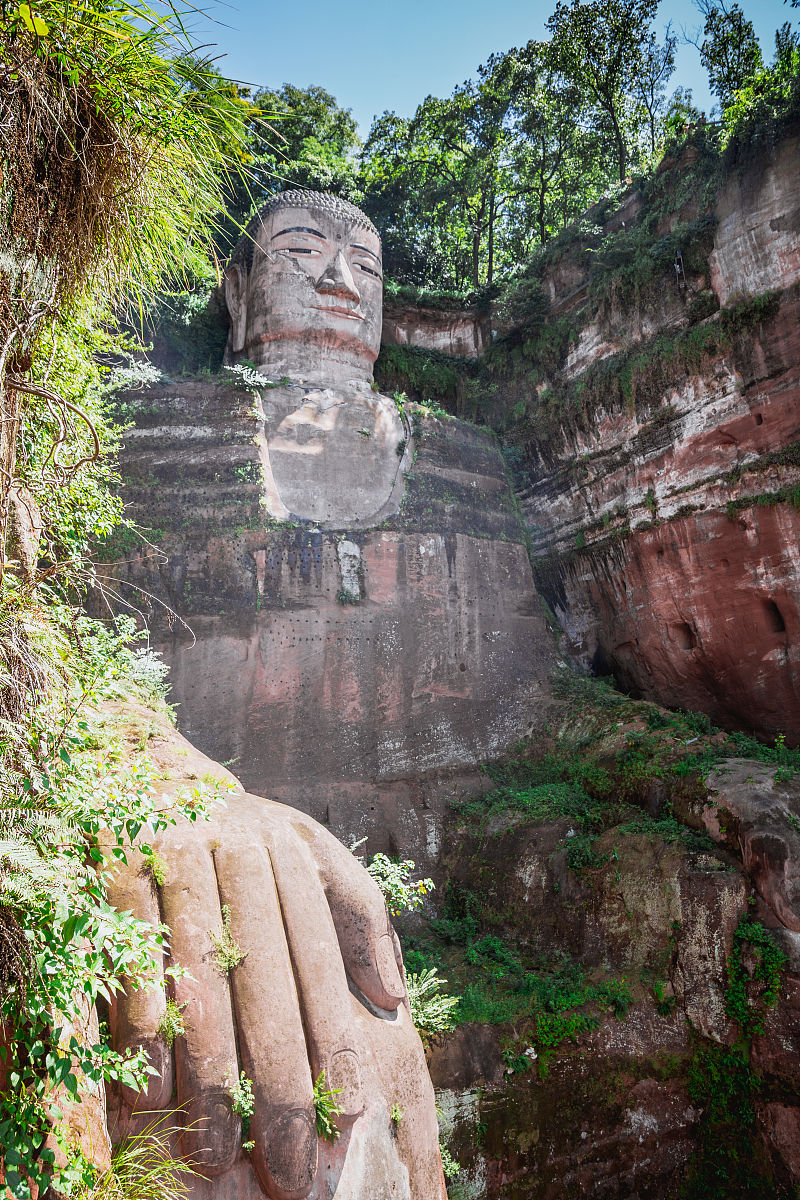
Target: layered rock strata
458	332
666	518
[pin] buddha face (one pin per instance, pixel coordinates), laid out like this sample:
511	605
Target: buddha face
311	305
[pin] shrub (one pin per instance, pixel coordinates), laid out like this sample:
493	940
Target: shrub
326	1110
172	1024
227	951
431	1010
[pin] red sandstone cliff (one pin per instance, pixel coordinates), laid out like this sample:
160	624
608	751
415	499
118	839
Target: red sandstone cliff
662	497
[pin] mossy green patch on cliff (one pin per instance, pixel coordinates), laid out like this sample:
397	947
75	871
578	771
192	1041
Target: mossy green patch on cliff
730	1161
424	375
755	968
636	379
790	494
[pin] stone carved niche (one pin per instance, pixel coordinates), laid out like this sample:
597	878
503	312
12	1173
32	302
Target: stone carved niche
304	289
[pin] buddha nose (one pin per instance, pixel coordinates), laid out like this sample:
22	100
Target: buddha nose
338	280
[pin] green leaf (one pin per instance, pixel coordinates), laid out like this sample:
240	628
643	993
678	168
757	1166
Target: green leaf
35	25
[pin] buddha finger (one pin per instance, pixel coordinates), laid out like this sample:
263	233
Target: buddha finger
205	1052
272	1044
367	940
136	1016
319	970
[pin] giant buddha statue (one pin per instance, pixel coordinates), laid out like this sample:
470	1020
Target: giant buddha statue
304	290
365	632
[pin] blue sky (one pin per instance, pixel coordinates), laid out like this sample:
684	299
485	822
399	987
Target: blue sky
377	56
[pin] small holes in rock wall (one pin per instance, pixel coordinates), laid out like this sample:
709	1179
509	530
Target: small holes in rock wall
758	418
684	636
462	666
775	621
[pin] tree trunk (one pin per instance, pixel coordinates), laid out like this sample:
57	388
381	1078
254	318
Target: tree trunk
476	244
490	264
622	157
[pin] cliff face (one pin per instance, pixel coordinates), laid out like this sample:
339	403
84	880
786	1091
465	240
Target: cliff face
622	1041
662	496
458	333
349	672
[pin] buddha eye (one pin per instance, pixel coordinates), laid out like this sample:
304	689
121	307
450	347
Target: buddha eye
299	250
368	270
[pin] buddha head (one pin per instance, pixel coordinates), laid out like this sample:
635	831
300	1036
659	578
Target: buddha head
304	290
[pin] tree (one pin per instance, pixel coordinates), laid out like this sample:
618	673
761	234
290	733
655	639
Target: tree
729	51
787	49
598	45
451	166
657	65
316	146
556	154
298	137
418	248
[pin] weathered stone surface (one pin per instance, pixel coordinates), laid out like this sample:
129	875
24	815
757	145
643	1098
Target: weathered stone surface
468	1056
460	333
781	1124
757	245
669	571
761	818
349	710
594	1127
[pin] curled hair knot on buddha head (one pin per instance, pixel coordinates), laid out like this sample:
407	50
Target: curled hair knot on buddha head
242	254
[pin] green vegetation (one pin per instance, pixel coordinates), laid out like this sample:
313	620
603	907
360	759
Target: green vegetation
401	893
117	142
754	987
156	866
425	375
142	1167
68	779
592	777
173	1024
228	954
730	1162
431	1010
326	1109
449	1165
243	1105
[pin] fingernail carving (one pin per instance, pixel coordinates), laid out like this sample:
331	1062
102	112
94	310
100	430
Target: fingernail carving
213	1134
387	968
344	1075
290	1147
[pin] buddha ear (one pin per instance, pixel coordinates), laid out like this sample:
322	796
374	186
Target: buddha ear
236	300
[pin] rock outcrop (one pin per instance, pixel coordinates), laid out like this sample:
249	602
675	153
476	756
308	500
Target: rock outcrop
456	332
619	1050
663	495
